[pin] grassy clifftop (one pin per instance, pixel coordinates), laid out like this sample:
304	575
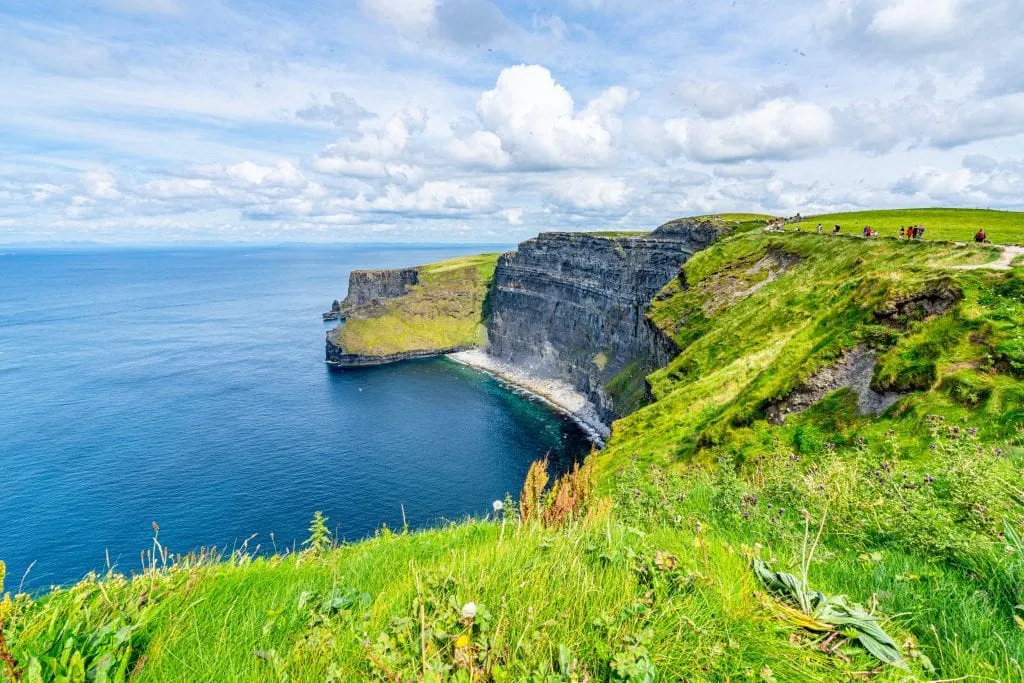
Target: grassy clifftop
1002	227
444	310
757	448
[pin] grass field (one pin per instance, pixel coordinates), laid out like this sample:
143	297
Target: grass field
959	225
444	310
917	515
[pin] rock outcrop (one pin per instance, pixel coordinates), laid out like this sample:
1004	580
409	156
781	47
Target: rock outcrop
572	306
853	370
337	357
369	286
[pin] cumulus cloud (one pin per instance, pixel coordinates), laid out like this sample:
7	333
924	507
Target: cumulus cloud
407	16
376	152
481	149
513	216
719	99
777	129
538	125
100	184
342	110
432	198
746	169
943	124
915	20
980	181
590	194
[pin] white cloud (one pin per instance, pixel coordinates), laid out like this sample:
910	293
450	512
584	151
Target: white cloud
284	174
536	121
411	17
778	129
377	151
980	181
178	188
342	110
513	216
915	20
100	184
591	194
746	169
481	149
433	197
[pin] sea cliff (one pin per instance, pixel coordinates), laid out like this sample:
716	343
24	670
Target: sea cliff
572	306
564	307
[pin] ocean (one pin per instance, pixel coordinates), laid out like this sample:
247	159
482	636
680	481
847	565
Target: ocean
186	387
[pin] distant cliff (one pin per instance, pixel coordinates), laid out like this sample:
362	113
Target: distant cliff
571	306
369	286
392	315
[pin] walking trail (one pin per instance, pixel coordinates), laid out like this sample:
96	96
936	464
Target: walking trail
1004	262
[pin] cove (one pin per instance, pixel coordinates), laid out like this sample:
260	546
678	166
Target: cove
186	387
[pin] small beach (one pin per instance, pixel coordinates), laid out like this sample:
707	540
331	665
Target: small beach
558	394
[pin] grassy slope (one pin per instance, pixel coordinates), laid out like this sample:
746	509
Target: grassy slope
913	510
444	310
1003	227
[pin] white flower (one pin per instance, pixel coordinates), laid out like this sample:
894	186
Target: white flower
469	611
497	505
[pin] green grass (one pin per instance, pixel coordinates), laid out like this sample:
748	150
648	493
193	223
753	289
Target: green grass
958	225
617	233
919	509
445	310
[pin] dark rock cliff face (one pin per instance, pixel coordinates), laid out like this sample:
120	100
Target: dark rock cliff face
337	357
571	306
369	286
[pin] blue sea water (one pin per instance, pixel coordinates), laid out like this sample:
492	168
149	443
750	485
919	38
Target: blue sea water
187	387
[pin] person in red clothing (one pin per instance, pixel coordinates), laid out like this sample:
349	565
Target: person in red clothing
980	236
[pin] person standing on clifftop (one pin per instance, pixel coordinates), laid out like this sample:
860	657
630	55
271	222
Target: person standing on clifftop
819	228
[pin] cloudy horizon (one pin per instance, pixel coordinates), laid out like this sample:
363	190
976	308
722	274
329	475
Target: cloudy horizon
169	121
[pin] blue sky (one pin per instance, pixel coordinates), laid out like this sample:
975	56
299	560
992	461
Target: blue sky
153	121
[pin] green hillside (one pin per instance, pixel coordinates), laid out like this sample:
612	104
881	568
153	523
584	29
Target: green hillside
445	310
658	560
960	225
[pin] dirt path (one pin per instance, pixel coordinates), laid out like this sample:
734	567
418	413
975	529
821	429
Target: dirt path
1002	263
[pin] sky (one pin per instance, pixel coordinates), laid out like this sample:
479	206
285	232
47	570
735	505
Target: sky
179	121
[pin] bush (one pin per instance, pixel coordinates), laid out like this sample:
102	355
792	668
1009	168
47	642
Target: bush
809	439
967	389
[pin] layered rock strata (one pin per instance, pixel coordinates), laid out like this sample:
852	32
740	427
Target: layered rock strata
572	307
369	286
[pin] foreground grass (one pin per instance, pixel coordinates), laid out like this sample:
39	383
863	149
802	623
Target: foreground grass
445	310
960	225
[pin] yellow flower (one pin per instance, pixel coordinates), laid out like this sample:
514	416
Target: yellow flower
462	641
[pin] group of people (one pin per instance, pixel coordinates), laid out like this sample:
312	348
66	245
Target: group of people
914	232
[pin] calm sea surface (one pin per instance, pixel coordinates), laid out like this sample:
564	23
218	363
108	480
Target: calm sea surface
187	387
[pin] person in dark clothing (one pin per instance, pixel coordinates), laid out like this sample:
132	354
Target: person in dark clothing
902	232
980	236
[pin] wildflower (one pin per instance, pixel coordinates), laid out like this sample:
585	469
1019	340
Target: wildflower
469	611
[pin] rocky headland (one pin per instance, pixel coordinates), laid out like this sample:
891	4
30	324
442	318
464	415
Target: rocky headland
565	316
